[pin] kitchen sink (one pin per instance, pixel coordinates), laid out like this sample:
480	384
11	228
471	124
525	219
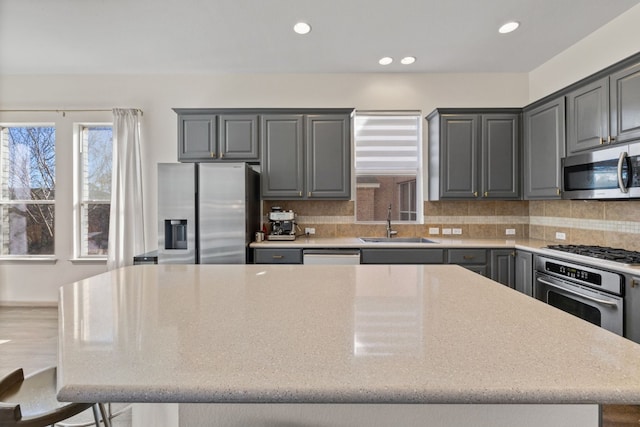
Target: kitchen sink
395	240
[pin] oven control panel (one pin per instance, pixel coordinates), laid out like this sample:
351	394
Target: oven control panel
591	276
574	273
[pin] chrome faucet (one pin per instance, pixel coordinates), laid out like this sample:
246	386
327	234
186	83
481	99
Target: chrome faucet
390	232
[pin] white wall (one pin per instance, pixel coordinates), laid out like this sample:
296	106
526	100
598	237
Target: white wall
615	41
157	94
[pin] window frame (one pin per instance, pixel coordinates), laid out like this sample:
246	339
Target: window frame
419	172
79	242
5	152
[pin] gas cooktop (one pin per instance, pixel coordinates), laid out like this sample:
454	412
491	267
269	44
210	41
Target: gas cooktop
601	252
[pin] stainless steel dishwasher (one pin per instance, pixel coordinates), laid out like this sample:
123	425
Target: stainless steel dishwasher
331	256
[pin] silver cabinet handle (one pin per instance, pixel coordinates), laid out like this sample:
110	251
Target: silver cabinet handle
621	160
598	300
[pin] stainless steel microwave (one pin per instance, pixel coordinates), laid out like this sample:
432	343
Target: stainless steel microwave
611	173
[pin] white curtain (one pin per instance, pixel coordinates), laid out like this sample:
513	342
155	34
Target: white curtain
126	221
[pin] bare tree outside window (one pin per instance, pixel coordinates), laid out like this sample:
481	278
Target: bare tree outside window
27	185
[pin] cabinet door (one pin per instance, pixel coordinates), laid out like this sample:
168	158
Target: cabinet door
239	136
588	116
328	156
500	156
503	266
632	309
544	147
401	256
625	104
197	137
278	256
282	156
524	272
459	156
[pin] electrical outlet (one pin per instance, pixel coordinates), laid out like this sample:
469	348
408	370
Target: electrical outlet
561	236
309	230
457	231
510	231
434	230
446	231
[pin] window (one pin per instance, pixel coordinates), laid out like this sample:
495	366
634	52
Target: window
93	197
27	189
388	166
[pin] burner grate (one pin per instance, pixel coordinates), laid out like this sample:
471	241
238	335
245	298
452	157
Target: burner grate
601	252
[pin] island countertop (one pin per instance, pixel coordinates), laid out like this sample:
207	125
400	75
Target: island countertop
339	334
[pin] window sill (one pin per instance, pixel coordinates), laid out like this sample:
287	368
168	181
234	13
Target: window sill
88	260
28	260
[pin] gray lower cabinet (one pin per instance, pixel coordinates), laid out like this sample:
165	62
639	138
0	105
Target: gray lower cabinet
471	259
401	256
474	154
632	309
277	256
544	147
206	135
524	272
503	266
306	156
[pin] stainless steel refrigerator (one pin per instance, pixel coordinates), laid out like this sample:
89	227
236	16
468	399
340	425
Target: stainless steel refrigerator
207	212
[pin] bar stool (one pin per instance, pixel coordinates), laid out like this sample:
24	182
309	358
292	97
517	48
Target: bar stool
31	401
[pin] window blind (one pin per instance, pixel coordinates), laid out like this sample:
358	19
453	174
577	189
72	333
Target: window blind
387	144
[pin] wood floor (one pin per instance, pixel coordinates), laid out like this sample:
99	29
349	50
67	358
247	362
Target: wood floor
29	339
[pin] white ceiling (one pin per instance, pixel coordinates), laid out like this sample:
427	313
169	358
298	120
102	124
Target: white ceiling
204	36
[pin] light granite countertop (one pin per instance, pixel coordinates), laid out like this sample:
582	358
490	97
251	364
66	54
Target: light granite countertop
343	334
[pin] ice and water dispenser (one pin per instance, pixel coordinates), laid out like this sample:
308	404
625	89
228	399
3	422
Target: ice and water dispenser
175	234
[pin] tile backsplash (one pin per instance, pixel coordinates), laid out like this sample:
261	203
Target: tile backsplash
583	222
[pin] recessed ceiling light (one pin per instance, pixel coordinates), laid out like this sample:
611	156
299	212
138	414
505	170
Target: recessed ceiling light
385	61
407	60
302	28
508	27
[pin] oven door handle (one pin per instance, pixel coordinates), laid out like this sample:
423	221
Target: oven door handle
598	300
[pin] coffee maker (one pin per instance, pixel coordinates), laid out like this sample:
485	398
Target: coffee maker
283	224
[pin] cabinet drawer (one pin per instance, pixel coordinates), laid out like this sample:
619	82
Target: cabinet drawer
467	256
402	256
278	256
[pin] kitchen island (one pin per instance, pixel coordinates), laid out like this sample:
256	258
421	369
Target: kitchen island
401	338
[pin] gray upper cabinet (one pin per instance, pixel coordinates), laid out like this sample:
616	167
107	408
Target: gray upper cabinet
474	154
238	136
625	104
328	156
500	156
605	111
306	156
207	135
588	116
544	147
197	137
459	161
282	156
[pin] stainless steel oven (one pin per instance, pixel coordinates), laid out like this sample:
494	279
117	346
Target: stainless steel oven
593	294
612	173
